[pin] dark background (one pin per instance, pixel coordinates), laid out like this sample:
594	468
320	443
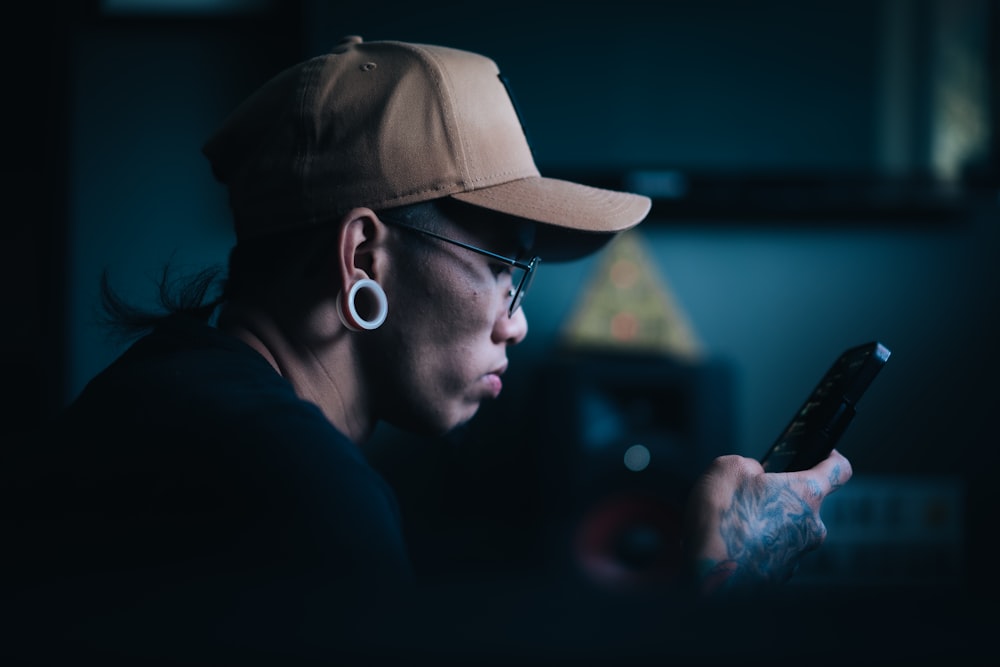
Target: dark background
824	174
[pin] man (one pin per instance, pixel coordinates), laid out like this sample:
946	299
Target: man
389	221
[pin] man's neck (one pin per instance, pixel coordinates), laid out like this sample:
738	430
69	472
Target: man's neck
321	368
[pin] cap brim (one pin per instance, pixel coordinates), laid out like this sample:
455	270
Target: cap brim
576	219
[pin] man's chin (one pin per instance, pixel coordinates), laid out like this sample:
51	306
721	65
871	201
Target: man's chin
447	425
461	417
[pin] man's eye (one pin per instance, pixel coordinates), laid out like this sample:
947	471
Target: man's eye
500	268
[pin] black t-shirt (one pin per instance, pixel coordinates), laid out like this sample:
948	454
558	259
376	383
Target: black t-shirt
190	464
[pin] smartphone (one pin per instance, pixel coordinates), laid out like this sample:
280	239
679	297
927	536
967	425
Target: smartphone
822	419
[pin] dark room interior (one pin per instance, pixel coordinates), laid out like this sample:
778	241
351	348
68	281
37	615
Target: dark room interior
823	174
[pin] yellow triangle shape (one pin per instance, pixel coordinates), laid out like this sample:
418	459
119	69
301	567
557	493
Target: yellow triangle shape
627	305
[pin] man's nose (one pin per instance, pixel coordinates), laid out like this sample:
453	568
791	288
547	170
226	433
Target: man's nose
511	328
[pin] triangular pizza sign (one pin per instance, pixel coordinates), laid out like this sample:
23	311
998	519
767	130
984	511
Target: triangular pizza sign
627	305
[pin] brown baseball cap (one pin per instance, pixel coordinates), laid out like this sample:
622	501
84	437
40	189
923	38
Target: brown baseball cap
387	123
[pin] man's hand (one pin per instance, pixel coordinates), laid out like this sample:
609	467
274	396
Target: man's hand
744	527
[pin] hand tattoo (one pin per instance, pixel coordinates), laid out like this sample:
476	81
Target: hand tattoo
766	529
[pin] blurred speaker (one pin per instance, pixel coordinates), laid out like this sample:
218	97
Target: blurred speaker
623	438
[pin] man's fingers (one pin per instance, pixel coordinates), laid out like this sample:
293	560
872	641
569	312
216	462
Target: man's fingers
832	472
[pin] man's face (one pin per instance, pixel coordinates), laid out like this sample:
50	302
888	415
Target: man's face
443	349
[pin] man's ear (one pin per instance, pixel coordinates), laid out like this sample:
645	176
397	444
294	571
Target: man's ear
359	241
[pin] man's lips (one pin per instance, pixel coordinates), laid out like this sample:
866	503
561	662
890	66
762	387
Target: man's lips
493	381
494	384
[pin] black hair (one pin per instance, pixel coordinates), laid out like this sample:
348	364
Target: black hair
187	296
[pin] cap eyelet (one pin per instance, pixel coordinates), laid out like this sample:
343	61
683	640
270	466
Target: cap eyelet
368	67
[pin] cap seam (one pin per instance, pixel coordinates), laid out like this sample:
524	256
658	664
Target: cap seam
309	83
443	83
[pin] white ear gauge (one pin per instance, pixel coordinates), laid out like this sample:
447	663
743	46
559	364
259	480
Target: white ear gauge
351	318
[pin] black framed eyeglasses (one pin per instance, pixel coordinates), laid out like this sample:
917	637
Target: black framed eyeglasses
517	290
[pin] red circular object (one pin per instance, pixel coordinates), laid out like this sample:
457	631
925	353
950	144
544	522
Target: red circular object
630	540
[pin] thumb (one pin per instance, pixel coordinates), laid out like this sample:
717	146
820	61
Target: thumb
831	473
